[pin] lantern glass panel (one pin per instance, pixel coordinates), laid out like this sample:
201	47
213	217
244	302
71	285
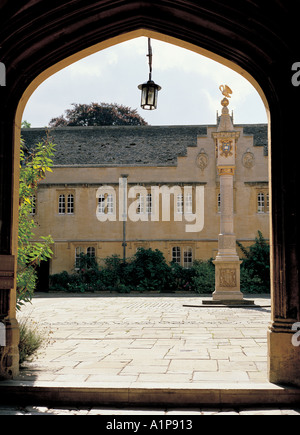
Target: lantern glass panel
151	96
144	96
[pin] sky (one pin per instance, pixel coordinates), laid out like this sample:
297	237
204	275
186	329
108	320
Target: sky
190	83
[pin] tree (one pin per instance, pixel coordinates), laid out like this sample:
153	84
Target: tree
94	114
33	168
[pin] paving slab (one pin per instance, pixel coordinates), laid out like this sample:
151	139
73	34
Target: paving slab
134	340
108	334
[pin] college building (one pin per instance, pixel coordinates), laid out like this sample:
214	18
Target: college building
115	189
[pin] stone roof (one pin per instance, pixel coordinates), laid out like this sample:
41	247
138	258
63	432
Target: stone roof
125	146
260	135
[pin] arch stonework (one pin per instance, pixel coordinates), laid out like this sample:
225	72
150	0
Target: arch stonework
39	38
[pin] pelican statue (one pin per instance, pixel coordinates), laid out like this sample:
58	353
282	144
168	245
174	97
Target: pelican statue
226	91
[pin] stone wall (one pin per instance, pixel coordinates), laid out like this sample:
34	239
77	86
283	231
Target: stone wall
150	156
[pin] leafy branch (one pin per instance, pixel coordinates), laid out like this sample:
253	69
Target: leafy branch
34	165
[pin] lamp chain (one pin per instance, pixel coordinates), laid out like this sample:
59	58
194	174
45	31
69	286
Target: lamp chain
150	58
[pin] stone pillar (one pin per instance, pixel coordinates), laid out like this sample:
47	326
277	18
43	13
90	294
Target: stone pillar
9	206
9	351
227	263
284	329
284	352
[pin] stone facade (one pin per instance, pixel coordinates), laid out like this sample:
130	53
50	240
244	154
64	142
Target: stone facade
178	157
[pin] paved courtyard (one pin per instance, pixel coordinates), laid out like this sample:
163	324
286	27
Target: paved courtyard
143	339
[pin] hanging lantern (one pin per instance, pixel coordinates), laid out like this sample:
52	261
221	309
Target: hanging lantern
149	95
149	89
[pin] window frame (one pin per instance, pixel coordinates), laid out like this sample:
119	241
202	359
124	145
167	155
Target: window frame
149	203
176	254
91	252
62	204
110	204
106	204
180	203
77	256
70	204
140	204
261	202
188	203
188	257
101	204
86	251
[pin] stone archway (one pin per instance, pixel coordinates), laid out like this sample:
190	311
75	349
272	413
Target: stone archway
39	39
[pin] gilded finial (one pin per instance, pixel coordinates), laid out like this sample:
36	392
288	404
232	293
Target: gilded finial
227	92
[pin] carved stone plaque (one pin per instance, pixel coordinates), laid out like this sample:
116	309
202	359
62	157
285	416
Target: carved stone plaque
248	160
228	278
202	160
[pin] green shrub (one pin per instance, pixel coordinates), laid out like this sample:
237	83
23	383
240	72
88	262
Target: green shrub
146	271
86	262
65	282
255	269
204	280
111	275
149	271
59	281
31	340
252	284
182	278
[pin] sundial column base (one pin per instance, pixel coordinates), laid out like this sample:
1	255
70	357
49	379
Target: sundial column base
227	273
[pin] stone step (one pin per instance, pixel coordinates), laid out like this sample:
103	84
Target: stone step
144	394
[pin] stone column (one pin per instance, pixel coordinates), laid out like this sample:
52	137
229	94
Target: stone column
227	263
9	354
284	330
9	207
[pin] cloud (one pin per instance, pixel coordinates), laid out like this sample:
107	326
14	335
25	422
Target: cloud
91	68
190	83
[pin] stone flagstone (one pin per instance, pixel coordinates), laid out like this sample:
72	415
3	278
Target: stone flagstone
102	338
